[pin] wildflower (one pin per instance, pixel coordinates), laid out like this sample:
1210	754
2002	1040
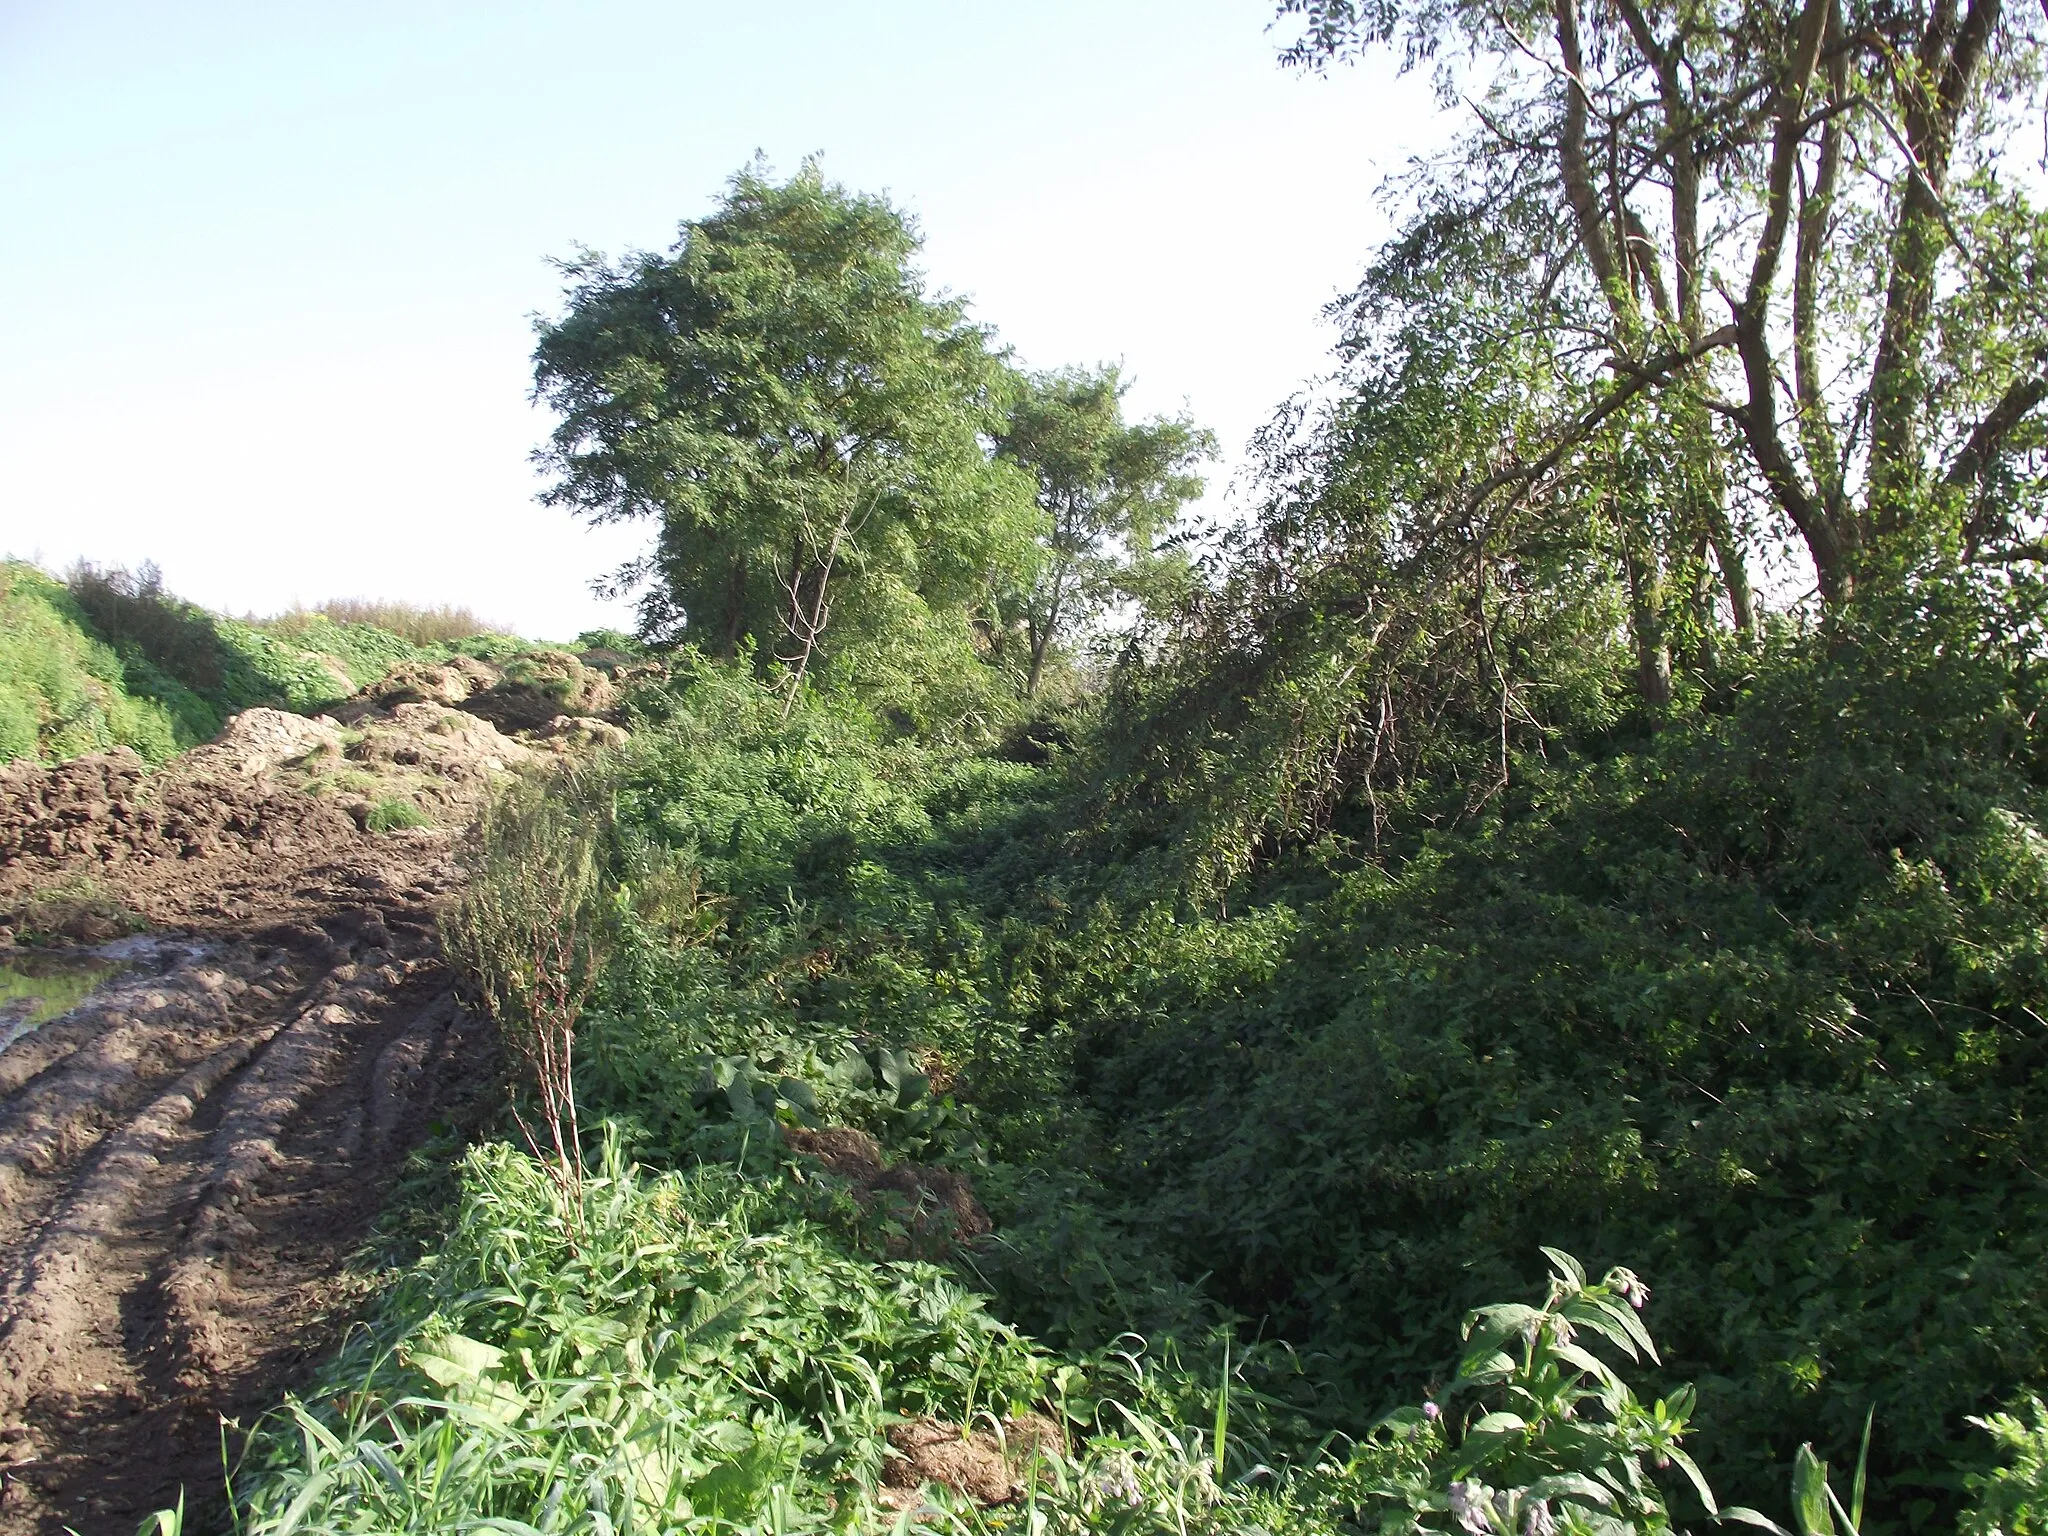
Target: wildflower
1432	1412
1632	1288
1471	1508
1539	1521
1117	1482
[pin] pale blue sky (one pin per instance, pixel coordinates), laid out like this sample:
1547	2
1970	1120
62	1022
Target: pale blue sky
266	270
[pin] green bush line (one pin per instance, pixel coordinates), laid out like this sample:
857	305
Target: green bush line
131	666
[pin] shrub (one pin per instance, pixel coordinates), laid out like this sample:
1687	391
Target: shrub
531	933
420	626
64	692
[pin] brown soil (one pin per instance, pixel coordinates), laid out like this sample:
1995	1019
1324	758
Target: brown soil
988	1468
937	1206
187	1162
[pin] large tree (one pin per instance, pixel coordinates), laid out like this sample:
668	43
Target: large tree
1109	491
807	424
1776	251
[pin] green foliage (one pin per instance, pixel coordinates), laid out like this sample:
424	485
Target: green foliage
1750	1004
109	658
1109	493
64	692
395	815
701	1349
1551	1439
2012	1500
800	416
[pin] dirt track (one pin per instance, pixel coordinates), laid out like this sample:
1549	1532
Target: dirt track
187	1161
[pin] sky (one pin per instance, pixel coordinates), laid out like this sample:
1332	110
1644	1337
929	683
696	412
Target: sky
268	271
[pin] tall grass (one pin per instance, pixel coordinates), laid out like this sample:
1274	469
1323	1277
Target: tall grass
531	934
422	625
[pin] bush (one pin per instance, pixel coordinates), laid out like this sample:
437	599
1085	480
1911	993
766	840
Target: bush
417	625
64	692
531	934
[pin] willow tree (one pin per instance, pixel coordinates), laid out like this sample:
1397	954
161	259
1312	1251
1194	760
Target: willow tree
1109	493
804	421
1777	249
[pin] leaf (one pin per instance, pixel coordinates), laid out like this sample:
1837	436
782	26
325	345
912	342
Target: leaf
1810	1494
1585	1361
1568	1268
1500	1322
1613	1320
455	1359
1750	1517
380	1459
1693	1475
1862	1469
1500	1422
1484	1368
797	1092
1571	1485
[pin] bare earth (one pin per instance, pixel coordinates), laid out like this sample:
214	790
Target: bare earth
187	1161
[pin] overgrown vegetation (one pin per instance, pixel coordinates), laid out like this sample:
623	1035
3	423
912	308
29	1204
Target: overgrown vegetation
1463	870
414	623
109	658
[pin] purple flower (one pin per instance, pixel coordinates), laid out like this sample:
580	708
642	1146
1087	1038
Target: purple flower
1469	1507
1432	1412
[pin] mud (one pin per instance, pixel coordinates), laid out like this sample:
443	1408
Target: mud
988	1467
936	1208
188	1160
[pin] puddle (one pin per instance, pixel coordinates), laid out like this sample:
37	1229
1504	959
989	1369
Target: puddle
38	985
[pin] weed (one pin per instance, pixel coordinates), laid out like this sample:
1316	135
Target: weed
75	908
532	935
419	625
394	815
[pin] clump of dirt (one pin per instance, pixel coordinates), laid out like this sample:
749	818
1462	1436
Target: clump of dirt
534	689
941	1211
104	814
449	683
988	1468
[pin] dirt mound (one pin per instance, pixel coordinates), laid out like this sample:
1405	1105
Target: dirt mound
939	1206
986	1467
106	812
449	683
232	829
258	740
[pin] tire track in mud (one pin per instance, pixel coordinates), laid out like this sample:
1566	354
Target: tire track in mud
181	1195
188	1160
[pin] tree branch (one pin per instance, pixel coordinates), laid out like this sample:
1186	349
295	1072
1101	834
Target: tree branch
2019	399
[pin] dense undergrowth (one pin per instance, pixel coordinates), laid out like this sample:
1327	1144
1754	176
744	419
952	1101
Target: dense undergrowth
1747	998
109	659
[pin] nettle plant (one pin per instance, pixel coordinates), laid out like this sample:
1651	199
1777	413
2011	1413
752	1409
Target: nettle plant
1537	1435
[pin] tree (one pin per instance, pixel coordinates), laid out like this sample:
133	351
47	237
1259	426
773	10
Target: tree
1779	257
804	421
1108	492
